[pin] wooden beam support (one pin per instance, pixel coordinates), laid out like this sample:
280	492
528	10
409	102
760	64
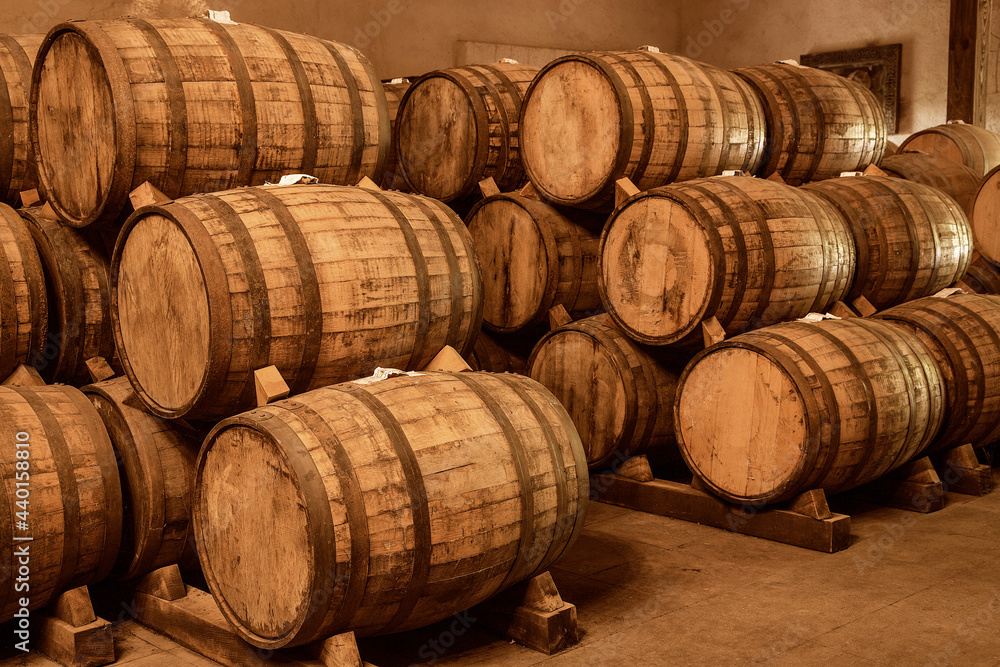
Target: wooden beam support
683	501
269	384
915	487
966	81
24	376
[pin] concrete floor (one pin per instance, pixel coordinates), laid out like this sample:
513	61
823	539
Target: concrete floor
911	590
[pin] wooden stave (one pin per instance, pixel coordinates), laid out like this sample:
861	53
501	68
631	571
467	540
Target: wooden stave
23	297
17	167
962	332
76	271
649	388
503	86
834	235
776	84
979	148
957	181
172	178
483	388
392	177
570	247
156	465
225	390
809	473
603	195
85	496
853	197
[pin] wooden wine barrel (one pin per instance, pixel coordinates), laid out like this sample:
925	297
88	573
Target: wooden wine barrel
156	464
500	354
392	177
962	333
619	397
192	105
458	126
747	250
591	119
323	281
819	124
973	146
23	300
17	160
391	504
73	496
912	240
983	276
985	216
776	412
533	257
955	180
76	275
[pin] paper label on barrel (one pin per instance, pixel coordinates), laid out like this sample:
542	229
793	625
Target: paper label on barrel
384	374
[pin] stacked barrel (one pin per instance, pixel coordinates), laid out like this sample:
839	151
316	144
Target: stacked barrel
155	268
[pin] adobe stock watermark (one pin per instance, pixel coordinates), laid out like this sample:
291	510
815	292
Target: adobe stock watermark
566	9
696	44
381	18
21	560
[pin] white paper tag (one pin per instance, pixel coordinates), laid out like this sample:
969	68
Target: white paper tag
384	374
649	47
219	16
295	179
949	291
812	318
509	61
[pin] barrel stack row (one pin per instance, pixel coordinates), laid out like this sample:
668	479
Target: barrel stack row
160	248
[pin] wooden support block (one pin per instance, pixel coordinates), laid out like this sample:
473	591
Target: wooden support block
337	651
712	332
529	190
99	369
624	188
636	468
961	472
24	376
776	177
682	501
146	195
270	385
532	614
915	487
74	607
864	307
447	360
489	187
46	211
165	583
30	198
71	634
841	310
812	504
368	184
558	316
873	170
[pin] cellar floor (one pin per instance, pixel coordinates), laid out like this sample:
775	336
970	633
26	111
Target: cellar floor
911	589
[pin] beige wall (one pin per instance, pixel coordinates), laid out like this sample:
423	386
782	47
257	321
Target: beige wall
759	31
403	37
